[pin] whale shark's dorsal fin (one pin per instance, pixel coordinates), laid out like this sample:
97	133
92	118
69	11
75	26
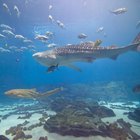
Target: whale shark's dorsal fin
74	67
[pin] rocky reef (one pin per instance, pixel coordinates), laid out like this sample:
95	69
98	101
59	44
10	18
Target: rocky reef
85	119
78	119
3	137
135	115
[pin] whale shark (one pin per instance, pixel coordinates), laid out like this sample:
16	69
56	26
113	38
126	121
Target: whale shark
84	52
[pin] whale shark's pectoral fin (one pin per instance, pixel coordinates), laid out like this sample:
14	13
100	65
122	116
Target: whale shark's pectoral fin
74	67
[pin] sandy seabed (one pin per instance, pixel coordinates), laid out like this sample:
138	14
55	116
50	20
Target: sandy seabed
39	131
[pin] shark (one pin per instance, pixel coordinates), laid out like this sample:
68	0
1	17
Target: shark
84	52
31	93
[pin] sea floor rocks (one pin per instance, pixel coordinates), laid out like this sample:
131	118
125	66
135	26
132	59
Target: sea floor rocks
3	137
70	122
79	119
135	115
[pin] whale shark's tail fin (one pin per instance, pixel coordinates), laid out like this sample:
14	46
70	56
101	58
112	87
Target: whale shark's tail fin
137	39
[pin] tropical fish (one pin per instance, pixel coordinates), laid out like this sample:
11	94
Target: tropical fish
82	36
119	11
17	11
85	52
31	93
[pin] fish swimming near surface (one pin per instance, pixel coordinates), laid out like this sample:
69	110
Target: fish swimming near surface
7	27
119	11
17	11
84	52
82	36
31	93
136	89
5	6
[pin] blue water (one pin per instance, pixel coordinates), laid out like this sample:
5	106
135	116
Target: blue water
78	18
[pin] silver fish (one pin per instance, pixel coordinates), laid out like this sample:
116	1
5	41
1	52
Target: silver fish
119	11
17	11
5	6
85	52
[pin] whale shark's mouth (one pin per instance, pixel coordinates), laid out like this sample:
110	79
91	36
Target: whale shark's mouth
37	55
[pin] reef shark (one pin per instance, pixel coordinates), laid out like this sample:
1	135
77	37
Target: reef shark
84	52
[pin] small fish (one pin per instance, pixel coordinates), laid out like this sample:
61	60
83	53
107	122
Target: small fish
52	68
136	89
6	8
17	11
12	47
42	38
51	18
119	11
82	36
27	41
138	24
50	7
49	34
4	50
69	44
7	27
18	50
60	24
19	37
2	36
100	29
52	45
31	47
8	32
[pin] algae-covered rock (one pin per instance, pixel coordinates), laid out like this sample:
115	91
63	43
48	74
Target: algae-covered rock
135	115
3	137
75	123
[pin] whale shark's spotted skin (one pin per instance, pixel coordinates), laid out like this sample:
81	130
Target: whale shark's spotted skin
84	52
82	48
